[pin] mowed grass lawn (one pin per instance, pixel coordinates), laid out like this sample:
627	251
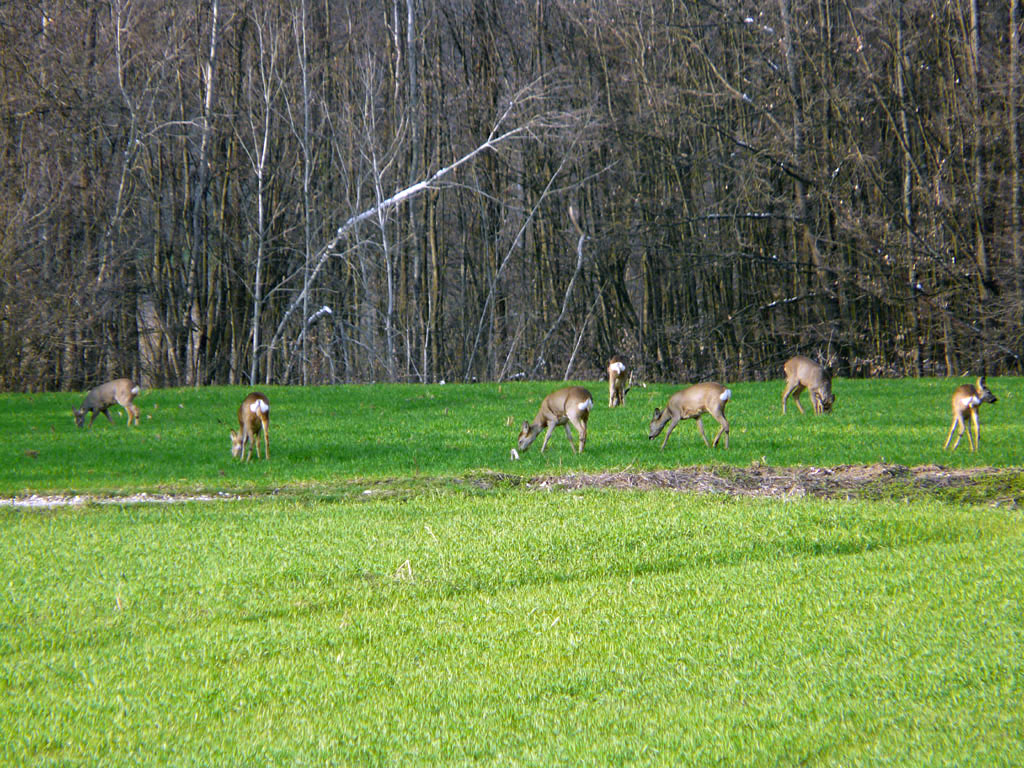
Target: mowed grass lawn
344	621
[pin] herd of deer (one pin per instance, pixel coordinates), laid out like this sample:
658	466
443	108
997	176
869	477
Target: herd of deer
573	405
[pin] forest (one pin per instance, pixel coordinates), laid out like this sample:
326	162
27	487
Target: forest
331	191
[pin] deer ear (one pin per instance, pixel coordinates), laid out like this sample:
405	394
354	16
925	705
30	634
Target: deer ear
526	424
981	381
657	413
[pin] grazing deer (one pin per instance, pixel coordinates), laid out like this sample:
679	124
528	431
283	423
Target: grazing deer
616	375
120	391
571	405
966	399
803	373
253	417
692	403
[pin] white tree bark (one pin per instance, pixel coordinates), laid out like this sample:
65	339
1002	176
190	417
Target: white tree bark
504	131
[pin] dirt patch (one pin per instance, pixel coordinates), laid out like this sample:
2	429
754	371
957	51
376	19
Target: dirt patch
1002	486
41	501
845	481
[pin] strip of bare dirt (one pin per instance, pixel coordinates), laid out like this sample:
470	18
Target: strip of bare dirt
1002	486
37	501
845	481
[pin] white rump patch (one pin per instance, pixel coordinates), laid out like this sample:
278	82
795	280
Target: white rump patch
619	368
136	389
260	406
727	395
586	405
970	401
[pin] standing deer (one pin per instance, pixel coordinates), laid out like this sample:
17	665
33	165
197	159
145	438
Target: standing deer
98	400
616	375
253	417
571	405
803	373
966	399
692	403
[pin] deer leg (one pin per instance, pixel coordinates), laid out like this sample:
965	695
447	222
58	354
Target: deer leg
547	436
974	426
266	441
950	435
959	424
723	429
568	435
703	434
797	391
581	427
668	431
105	413
785	395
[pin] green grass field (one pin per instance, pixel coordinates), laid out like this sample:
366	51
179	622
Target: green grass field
330	618
326	436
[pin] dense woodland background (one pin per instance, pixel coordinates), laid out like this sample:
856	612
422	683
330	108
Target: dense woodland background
201	191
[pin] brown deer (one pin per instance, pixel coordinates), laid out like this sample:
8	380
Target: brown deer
803	373
253	418
617	370
98	400
966	399
692	403
571	405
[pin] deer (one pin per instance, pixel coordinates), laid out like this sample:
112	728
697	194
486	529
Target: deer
803	373
966	399
99	399
692	403
617	390
571	405
253	418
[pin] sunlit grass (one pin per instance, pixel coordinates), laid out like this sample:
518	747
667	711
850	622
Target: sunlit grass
382	611
324	436
508	627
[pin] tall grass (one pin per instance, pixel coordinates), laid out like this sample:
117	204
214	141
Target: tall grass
512	628
325	435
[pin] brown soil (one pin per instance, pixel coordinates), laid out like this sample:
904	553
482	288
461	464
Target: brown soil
980	485
759	480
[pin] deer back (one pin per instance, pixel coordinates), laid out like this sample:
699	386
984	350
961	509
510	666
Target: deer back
811	375
116	391
563	404
253	413
707	397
